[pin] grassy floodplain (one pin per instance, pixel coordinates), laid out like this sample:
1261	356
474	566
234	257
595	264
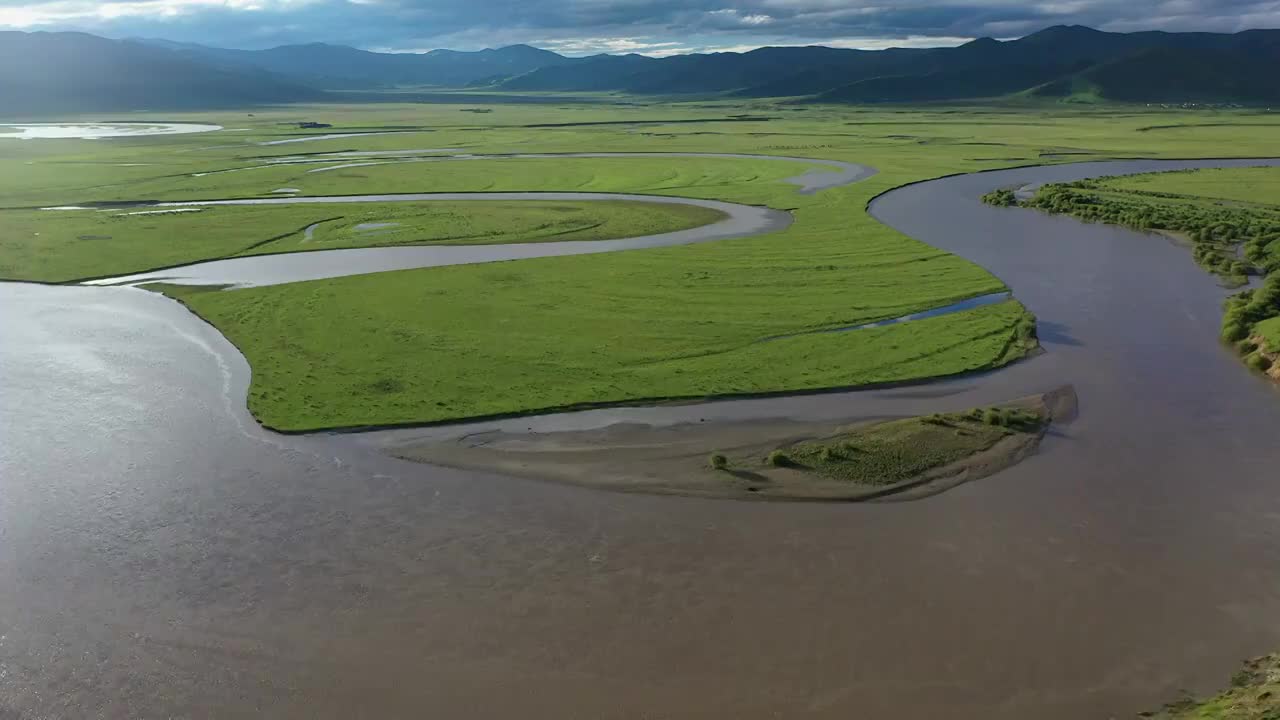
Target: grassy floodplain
682	321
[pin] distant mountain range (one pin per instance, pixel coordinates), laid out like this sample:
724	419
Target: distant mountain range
1065	62
63	72
340	67
42	73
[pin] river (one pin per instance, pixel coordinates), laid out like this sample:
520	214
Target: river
163	556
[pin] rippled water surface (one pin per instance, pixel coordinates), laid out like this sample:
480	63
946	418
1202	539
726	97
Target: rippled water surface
162	556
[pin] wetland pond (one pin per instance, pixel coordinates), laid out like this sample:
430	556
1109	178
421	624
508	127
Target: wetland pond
95	131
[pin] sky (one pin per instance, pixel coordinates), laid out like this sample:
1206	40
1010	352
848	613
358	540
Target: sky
651	27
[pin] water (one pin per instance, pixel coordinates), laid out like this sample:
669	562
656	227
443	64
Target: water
948	309
336	136
163	556
370	226
739	221
94	131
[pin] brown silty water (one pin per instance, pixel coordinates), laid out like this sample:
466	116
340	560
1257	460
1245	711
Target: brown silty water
162	555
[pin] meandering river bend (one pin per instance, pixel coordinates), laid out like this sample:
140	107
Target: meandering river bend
163	556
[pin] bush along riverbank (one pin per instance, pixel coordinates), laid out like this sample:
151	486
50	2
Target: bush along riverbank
1232	238
1250	323
1254	695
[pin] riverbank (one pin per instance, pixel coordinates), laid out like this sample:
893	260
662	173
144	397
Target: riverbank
839	460
1254	695
1231	225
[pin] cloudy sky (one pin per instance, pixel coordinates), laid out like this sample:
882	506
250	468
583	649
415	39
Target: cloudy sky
654	27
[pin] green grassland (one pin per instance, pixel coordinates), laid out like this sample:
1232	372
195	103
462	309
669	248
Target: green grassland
688	177
477	222
61	245
555	333
681	321
891	452
1269	331
1259	185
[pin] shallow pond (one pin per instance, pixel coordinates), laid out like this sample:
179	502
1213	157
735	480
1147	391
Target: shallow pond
95	131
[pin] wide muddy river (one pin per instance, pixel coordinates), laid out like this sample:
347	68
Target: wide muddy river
163	556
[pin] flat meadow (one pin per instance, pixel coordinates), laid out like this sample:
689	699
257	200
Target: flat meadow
448	343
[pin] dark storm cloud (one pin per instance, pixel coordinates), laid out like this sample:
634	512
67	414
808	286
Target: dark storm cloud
611	25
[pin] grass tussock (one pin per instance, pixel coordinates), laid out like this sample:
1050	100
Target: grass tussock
892	452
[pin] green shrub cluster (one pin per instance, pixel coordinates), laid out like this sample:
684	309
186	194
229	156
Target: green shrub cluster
1232	239
1229	239
1000	198
1259	362
1246	309
1013	418
1219	231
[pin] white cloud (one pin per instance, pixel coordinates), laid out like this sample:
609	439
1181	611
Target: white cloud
63	12
615	45
651	27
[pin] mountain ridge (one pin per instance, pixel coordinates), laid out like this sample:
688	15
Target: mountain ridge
47	72
44	73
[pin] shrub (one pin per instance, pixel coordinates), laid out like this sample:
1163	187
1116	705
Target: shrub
1258	362
1234	331
1244	347
1023	419
719	461
829	454
1026	328
777	458
1001	198
993	416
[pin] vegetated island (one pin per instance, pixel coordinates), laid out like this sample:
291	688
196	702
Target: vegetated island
848	461
1254	695
1229	216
